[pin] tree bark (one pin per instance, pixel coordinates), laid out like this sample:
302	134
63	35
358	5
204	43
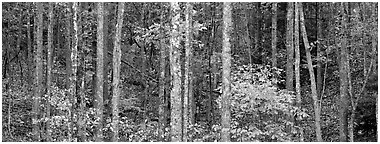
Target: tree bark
343	103
39	74
49	68
257	28
319	63
289	46
81	77
297	65
274	34
19	33
116	73
226	62
143	67
99	72
175	70
248	39
107	65
188	71
69	67
74	62
30	47
317	109
161	94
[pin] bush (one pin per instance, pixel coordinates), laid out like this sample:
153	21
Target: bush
259	110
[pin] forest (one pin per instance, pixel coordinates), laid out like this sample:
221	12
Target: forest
189	71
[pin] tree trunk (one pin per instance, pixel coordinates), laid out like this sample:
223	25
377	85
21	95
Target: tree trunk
319	63
188	71
274	35
161	94
247	33
107	65
297	66
39	74
99	73
290	57
317	109
226	62
81	78
116	73
49	68
343	104
175	70
143	68
19	33
210	70
289	46
69	68
74	62
30	47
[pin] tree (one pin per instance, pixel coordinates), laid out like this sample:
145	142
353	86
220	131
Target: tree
297	63
161	94
106	62
30	47
319	63
38	79
175	70
69	67
289	46
116	73
74	62
226	62
188	91
274	34
257	28
49	68
143	67
248	39
316	107
343	103
81	76
99	73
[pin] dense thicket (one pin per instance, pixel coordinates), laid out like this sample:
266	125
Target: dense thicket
189	71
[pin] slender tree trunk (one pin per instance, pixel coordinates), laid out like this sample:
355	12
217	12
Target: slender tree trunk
257	27
116	73
226	62
274	35
248	39
39	73
343	104
188	71
74	62
99	73
30	47
319	63
161	94
19	33
289	46
290	56
82	78
107	65
317	109
348	68
69	68
49	68
297	65
210	70
143	67
175	70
